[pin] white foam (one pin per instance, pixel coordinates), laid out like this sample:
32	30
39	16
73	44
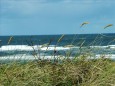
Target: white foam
30	57
17	57
108	46
15	47
54	48
109	56
111	46
30	48
98	46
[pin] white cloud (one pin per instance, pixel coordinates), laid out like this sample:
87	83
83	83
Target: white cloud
62	13
22	7
31	7
42	7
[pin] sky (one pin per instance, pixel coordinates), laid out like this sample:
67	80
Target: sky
45	17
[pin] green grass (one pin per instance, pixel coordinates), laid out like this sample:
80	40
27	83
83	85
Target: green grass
67	72
78	72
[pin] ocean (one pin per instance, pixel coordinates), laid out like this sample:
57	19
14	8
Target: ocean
34	47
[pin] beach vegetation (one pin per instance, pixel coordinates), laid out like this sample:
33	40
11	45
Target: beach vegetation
81	70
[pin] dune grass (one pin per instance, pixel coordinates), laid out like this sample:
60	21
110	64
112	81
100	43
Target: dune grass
67	72
80	72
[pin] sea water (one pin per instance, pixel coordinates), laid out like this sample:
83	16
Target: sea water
31	47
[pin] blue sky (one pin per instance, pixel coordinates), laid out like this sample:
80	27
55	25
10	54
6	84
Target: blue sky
38	17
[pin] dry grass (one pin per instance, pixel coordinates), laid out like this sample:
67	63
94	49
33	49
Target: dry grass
68	73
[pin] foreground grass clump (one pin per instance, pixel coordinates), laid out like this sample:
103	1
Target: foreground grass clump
99	72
